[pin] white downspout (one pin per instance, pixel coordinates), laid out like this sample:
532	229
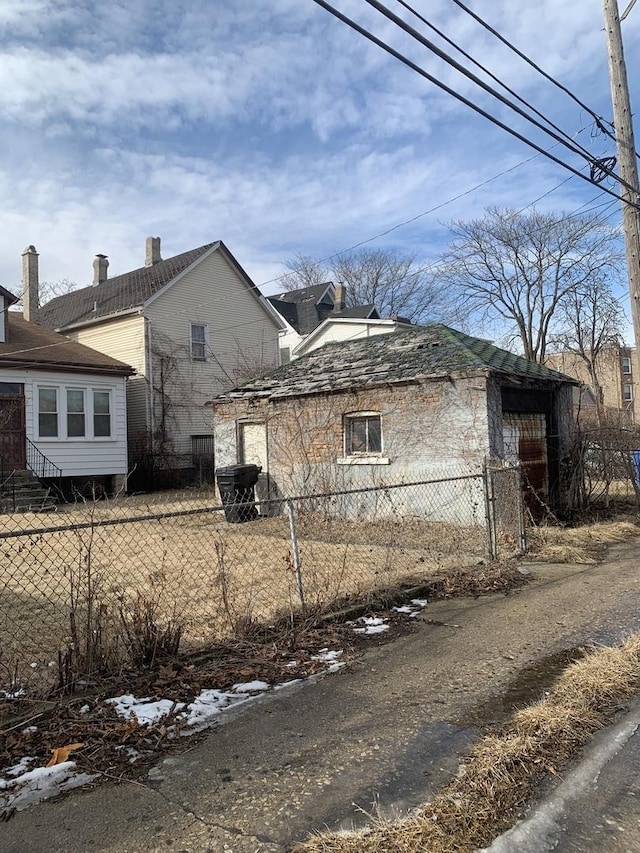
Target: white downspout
150	401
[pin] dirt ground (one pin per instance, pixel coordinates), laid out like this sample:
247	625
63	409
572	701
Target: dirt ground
382	735
195	570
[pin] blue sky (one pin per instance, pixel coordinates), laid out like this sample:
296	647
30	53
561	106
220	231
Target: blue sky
270	125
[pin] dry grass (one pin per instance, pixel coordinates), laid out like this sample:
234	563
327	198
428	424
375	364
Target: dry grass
502	772
195	571
584	544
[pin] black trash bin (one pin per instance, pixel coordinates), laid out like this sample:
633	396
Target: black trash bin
237	490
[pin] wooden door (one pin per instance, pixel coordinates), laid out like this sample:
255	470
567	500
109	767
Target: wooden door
12	427
525	438
253	451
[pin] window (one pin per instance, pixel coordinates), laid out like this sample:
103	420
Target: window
626	365
362	434
75	413
101	414
285	355
198	342
48	412
627	393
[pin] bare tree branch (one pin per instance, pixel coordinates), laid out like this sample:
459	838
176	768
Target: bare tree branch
524	267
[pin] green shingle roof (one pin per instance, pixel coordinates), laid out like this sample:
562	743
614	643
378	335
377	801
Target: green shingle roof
402	356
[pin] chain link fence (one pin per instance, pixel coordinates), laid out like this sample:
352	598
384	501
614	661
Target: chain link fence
98	586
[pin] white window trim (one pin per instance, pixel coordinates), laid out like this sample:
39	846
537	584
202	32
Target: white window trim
361	458
83	391
626	360
374	459
112	430
207	348
628	399
47	387
63	429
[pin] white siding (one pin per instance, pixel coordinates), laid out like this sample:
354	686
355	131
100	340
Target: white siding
77	457
242	337
124	339
347	330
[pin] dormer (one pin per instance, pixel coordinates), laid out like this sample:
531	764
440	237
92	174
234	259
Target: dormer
6	299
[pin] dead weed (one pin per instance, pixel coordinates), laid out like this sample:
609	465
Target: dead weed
500	775
582	545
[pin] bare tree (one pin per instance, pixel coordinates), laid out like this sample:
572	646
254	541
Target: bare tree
394	282
591	327
522	268
48	290
304	271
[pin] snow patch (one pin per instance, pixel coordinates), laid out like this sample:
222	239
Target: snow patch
372	625
146	711
41	783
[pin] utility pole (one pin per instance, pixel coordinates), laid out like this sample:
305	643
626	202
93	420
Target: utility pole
627	164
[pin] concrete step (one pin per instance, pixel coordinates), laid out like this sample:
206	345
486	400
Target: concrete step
25	493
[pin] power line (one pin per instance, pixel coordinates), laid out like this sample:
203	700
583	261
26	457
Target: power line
600	122
485	70
433	209
401	58
450	201
598	166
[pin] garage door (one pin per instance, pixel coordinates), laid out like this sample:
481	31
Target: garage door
525	439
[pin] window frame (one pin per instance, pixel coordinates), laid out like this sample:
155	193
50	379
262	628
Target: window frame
626	365
204	343
67	413
627	386
109	413
56	412
62	413
367	456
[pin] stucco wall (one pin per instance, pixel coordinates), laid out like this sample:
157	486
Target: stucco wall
430	430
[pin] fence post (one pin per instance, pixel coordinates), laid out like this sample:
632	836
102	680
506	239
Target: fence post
295	550
522	529
489	512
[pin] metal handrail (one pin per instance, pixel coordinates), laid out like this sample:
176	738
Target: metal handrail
41	466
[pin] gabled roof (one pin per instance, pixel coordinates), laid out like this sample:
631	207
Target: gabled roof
313	293
369	322
122	292
132	290
11	299
407	355
305	308
31	346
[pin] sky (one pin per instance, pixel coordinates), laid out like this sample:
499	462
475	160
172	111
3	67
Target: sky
272	126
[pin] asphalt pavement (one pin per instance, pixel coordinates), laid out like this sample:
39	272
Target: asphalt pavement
384	733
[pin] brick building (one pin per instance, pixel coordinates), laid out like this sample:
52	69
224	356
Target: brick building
421	403
618	372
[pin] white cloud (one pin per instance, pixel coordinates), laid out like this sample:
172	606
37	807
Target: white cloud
267	124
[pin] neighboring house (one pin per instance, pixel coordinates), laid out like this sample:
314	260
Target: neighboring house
191	326
342	328
618	372
421	403
308	310
62	405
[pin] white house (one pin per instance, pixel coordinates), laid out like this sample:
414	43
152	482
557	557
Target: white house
191	325
309	312
62	405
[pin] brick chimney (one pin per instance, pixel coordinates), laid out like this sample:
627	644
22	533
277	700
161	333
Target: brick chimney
340	297
30	284
152	254
100	267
